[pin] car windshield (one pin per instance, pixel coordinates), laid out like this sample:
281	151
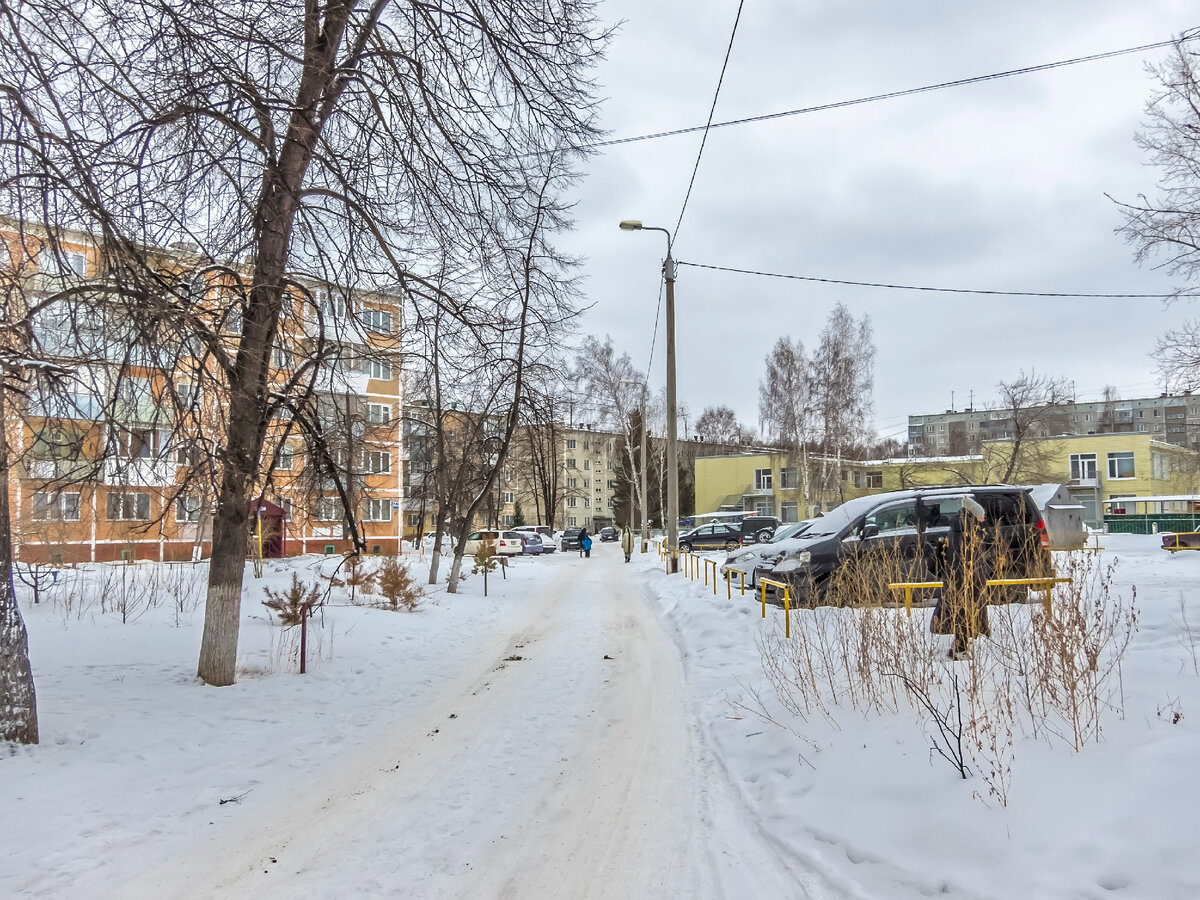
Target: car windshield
837	519
789	531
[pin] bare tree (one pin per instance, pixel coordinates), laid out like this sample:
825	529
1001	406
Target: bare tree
1037	407
335	143
720	425
843	378
787	405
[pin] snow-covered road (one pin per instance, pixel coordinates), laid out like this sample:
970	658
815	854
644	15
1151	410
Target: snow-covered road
560	762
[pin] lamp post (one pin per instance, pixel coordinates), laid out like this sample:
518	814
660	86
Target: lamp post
672	429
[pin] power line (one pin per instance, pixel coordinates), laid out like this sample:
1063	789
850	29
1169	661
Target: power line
712	109
890	95
654	335
935	290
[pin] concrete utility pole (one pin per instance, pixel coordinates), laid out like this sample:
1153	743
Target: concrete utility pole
672	425
645	465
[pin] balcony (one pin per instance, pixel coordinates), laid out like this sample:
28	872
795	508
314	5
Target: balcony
1092	482
141	472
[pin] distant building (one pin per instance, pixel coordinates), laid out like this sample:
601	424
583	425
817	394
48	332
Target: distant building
1170	418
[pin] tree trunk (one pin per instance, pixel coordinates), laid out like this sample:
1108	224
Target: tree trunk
18	700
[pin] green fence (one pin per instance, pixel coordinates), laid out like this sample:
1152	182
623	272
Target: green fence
1144	523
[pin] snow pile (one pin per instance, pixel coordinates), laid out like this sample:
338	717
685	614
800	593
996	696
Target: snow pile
861	795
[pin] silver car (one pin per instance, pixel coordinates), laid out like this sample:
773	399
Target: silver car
742	560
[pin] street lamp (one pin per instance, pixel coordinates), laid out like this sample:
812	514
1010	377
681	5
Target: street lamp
672	429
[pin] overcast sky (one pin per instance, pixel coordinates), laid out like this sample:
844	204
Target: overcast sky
999	185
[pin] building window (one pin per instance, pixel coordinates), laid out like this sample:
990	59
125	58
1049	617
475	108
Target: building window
1083	466
506	519
377	320
137	443
187	456
506	497
763	508
571	522
570	462
379	369
787	478
55	507
379	462
875	480
1158	463
286	459
329	509
378	510
1120	465
572	502
379	413
789	512
570	443
587	503
414	520
587	463
284	359
572	482
67	262
186	394
128	506
187	508
762	479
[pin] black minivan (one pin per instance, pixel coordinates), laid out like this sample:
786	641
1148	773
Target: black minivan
908	528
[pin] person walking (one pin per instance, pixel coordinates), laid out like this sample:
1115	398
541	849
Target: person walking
627	542
583	536
585	544
962	608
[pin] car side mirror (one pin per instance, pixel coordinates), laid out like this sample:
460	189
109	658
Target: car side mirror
869	531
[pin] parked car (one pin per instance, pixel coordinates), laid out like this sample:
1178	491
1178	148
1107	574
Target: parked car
758	529
745	559
570	539
545	532
504	543
608	533
910	526
531	542
706	537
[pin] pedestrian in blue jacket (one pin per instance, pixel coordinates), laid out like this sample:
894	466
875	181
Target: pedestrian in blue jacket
585	544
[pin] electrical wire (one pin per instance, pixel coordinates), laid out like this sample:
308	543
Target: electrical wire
935	290
890	95
711	110
654	335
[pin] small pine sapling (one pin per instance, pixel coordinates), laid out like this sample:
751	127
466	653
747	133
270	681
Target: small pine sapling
293	604
397	586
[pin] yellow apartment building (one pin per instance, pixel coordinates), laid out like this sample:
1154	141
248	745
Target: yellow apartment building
1094	467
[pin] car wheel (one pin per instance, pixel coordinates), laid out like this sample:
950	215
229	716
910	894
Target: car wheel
763	536
731	545
685	547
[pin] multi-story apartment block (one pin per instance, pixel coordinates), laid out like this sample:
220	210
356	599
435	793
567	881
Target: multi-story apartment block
1170	418
118	460
590	460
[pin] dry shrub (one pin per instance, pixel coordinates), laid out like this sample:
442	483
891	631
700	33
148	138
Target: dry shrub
295	603
397	585
1053	674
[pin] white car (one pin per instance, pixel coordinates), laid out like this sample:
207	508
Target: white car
504	543
744	559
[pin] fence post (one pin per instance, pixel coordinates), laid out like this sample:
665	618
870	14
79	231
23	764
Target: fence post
787	613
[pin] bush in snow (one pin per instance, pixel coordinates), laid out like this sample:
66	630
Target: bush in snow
397	586
295	603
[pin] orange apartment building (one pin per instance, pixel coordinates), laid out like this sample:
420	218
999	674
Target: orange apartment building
106	469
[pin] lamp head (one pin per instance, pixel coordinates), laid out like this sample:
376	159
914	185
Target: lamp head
631	225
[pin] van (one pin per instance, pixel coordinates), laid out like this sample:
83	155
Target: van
908	527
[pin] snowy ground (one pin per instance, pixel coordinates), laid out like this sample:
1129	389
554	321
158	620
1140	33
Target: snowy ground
420	758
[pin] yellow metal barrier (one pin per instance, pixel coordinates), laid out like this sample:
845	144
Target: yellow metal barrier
1042	584
787	609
